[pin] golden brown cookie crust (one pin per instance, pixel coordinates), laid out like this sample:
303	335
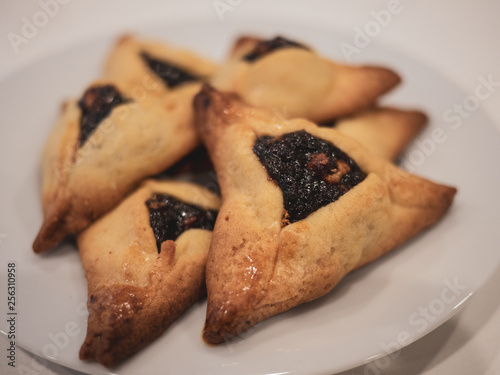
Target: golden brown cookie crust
257	268
385	131
136	140
134	292
301	83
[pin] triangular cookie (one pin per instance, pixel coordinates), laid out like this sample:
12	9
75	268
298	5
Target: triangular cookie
278	241
145	264
290	77
103	145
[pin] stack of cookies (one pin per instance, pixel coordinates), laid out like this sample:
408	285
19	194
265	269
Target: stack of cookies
304	162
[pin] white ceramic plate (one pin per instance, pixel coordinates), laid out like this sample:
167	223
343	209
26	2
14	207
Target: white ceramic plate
373	311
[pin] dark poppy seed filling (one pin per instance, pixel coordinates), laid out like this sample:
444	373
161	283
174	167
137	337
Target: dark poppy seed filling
310	171
96	104
169	73
170	217
267	46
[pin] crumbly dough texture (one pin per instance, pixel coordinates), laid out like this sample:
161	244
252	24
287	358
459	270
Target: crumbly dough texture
385	131
300	83
134	293
256	268
138	139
